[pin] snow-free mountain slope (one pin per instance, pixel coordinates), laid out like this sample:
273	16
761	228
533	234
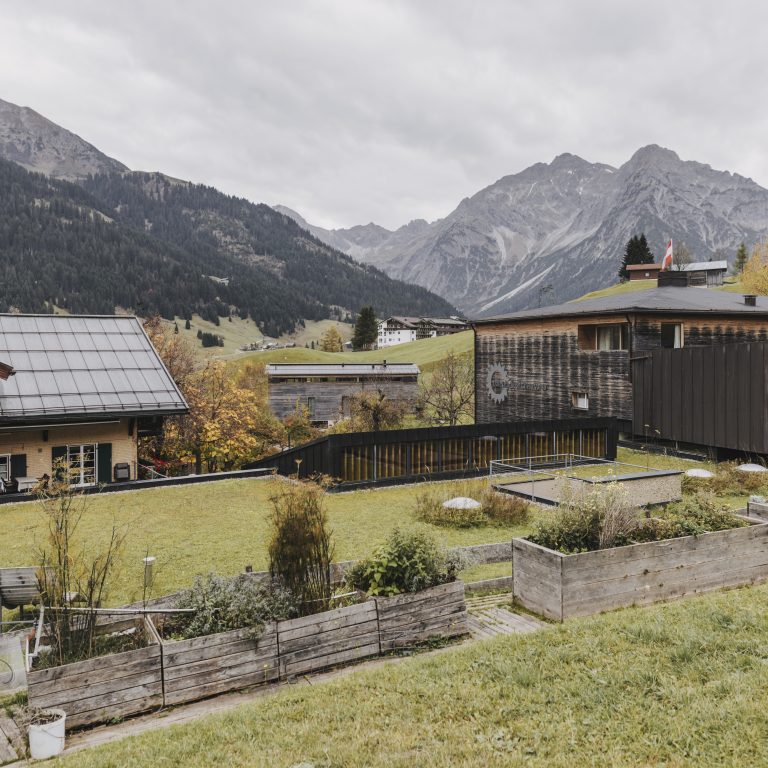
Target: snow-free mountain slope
555	231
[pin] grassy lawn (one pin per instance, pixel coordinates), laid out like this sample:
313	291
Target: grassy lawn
222	526
680	685
731	285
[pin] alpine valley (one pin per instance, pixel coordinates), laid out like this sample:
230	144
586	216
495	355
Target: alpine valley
81	232
556	231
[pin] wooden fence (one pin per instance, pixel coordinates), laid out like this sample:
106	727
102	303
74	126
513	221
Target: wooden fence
561	586
177	671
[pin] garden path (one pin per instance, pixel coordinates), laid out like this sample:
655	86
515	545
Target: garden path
490	616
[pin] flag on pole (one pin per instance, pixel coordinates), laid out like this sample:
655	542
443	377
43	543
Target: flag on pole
666	262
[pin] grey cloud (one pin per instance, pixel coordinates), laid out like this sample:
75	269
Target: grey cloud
358	110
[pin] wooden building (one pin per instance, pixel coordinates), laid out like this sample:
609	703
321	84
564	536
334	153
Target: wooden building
399	329
698	274
326	389
583	359
643	271
78	389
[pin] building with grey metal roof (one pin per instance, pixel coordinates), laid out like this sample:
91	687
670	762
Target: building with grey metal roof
327	390
78	389
682	364
699	301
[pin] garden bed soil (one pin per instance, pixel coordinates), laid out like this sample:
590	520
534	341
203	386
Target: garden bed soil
561	586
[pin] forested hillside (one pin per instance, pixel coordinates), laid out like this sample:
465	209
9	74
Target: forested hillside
150	244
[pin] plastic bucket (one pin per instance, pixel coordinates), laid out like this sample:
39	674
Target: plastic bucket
47	740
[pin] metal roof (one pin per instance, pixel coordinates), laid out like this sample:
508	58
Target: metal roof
653	300
705	266
343	369
638	267
82	366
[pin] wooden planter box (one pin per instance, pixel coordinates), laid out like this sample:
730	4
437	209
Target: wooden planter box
213	664
560	586
104	688
178	671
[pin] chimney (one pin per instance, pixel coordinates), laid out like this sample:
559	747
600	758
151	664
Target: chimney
6	371
750	299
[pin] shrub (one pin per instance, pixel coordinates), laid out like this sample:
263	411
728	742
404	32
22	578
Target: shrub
69	565
408	561
300	548
588	520
504	510
430	509
701	513
495	508
222	604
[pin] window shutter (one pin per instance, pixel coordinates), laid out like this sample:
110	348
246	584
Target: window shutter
58	453
104	469
19	465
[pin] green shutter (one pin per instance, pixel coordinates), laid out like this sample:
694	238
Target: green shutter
104	468
18	465
58	453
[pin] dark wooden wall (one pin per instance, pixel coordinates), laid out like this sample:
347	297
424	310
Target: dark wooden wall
544	366
699	331
707	395
328	395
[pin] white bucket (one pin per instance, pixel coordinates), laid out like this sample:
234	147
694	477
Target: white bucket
47	740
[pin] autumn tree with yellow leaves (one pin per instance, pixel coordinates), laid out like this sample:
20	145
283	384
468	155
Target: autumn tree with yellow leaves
229	422
755	275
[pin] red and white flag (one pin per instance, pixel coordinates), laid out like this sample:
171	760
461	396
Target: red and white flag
666	262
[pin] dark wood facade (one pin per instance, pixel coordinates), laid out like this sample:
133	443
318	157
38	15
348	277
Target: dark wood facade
714	395
407	455
327	396
533	368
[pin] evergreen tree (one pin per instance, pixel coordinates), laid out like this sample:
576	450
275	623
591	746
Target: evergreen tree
187	324
636	252
741	259
175	327
366	330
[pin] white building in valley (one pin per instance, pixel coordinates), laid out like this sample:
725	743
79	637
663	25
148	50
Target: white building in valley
399	330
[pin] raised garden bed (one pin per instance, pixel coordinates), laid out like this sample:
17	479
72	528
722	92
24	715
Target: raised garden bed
561	586
177	671
102	688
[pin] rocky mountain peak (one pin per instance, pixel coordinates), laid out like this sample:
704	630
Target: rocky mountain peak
37	144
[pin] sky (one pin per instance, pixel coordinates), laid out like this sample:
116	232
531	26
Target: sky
351	111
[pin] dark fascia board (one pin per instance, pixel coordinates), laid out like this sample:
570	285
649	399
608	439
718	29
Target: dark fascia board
626	311
69	418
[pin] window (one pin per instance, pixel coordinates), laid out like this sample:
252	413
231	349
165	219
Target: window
580	401
603	337
311	406
610	337
81	460
5	468
672	335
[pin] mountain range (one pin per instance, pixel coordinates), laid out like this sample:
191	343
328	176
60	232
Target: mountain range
556	231
80	231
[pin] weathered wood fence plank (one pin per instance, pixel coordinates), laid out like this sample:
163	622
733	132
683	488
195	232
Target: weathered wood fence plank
561	586
178	671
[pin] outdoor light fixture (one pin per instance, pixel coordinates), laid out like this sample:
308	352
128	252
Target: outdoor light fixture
149	563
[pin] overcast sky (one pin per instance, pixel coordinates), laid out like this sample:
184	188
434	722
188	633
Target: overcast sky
353	111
